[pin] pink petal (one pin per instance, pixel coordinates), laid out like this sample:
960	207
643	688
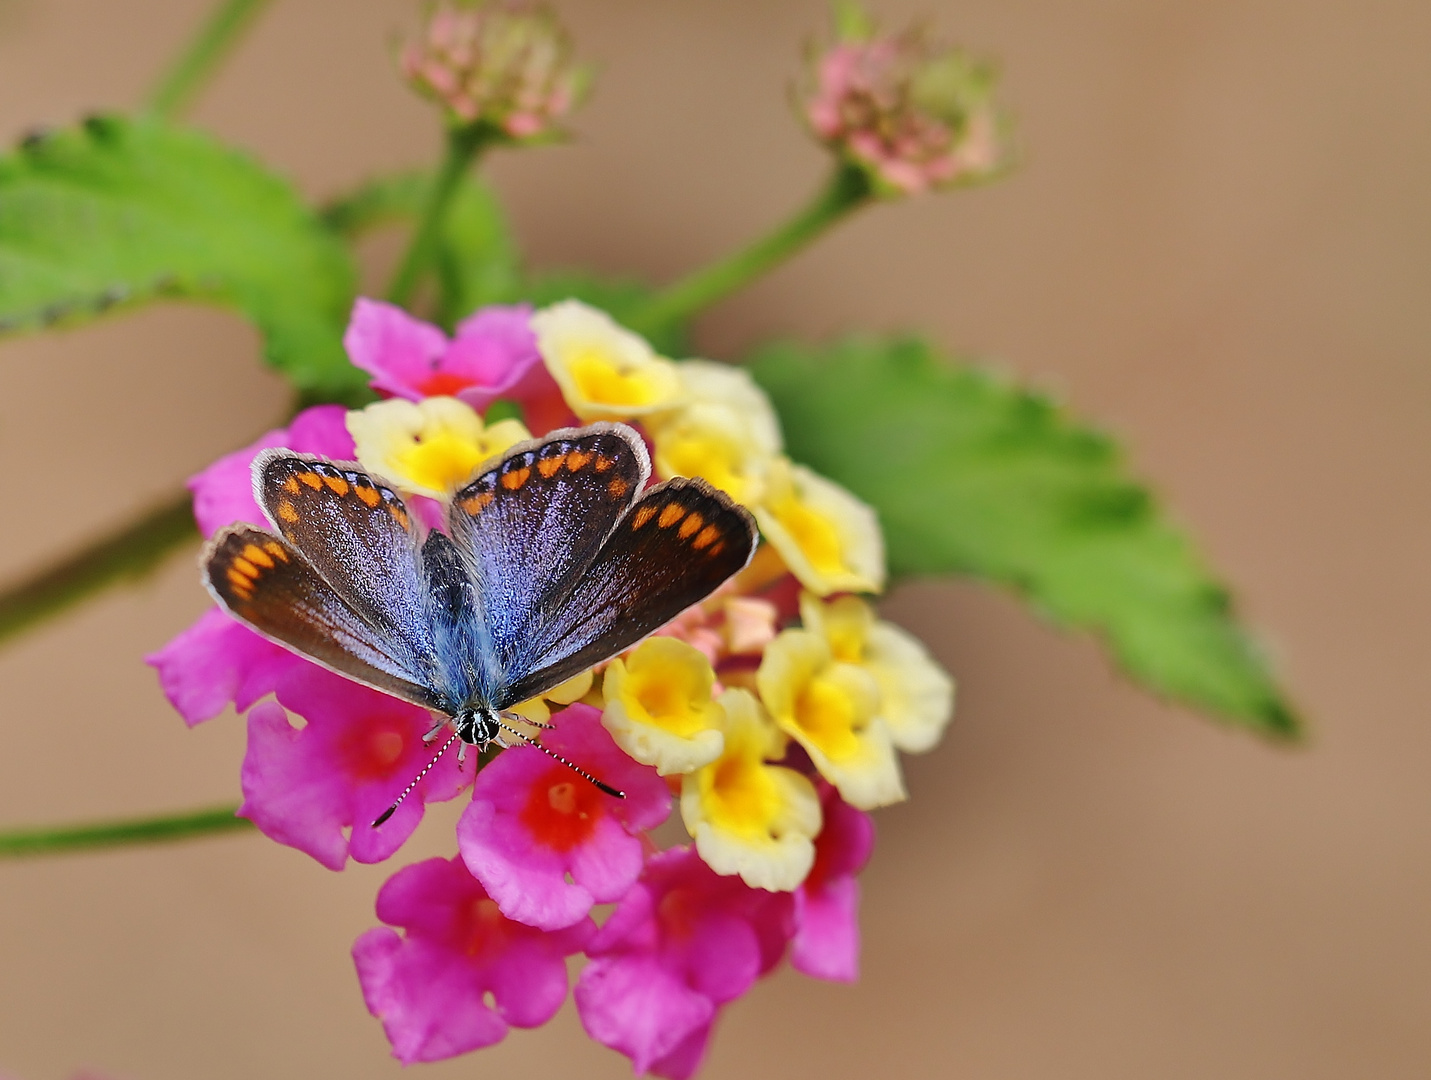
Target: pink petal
827	938
493	351
526	869
682	1062
216	661
636	1006
400	352
319	788
430	987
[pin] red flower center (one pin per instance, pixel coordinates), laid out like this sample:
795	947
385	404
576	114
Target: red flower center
375	747
561	811
444	384
483	929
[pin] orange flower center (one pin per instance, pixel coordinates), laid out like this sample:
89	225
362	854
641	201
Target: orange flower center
444	384
376	747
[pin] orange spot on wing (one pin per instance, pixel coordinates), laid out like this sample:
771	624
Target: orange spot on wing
255	554
690	525
548	466
336	484
285	511
671	514
577	459
312	479
709	535
474	504
642	516
243	566
618	487
717	549
399	515
291	485
237	579
369	494
515	479
603	463
274	548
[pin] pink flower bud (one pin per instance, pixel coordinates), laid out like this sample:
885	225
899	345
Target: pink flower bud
503	63
913	115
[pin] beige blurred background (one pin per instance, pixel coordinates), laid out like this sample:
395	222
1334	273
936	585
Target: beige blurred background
1218	247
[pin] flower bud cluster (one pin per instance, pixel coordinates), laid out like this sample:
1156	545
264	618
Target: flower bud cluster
503	63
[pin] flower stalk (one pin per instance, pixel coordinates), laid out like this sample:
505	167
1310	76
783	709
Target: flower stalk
463	146
846	191
176	90
17	843
129	553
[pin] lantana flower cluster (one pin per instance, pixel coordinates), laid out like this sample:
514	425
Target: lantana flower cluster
769	717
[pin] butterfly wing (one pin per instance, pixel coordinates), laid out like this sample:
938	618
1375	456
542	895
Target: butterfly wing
679	543
531	525
266	583
357	535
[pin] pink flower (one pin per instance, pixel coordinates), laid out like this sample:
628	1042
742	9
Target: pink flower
912	115
681	943
547	844
318	788
827	934
429	986
218	660
494	355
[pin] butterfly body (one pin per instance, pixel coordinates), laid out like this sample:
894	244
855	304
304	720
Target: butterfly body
554	559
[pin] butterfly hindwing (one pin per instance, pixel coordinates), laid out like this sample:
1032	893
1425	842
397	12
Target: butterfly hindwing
356	533
268	584
530	526
679	543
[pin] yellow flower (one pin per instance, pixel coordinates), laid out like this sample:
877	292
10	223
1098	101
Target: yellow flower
831	709
828	538
659	706
916	694
605	371
537	710
727	431
748	817
430	447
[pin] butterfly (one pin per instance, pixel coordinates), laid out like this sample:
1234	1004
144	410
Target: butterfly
556	557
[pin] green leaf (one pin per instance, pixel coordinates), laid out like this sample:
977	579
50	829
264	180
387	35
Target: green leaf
973	475
116	211
622	298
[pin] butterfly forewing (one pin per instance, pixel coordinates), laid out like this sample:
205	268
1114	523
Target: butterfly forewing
678	544
531	526
269	585
356	533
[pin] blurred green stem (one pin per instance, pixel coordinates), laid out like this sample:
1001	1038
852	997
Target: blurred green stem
175	91
16	843
463	145
847	190
128	553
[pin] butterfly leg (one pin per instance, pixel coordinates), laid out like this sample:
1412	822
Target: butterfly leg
462	754
518	718
435	731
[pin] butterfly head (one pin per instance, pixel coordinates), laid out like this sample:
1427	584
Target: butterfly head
477	726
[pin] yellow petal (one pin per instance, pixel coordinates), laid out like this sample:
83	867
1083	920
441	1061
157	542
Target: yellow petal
746	816
830	708
604	370
829	539
430	447
916	694
659	706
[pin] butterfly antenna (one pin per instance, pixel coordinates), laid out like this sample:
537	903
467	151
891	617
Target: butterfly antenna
391	810
557	757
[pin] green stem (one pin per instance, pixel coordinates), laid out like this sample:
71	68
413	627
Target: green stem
16	843
126	554
847	190
463	145
175	91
